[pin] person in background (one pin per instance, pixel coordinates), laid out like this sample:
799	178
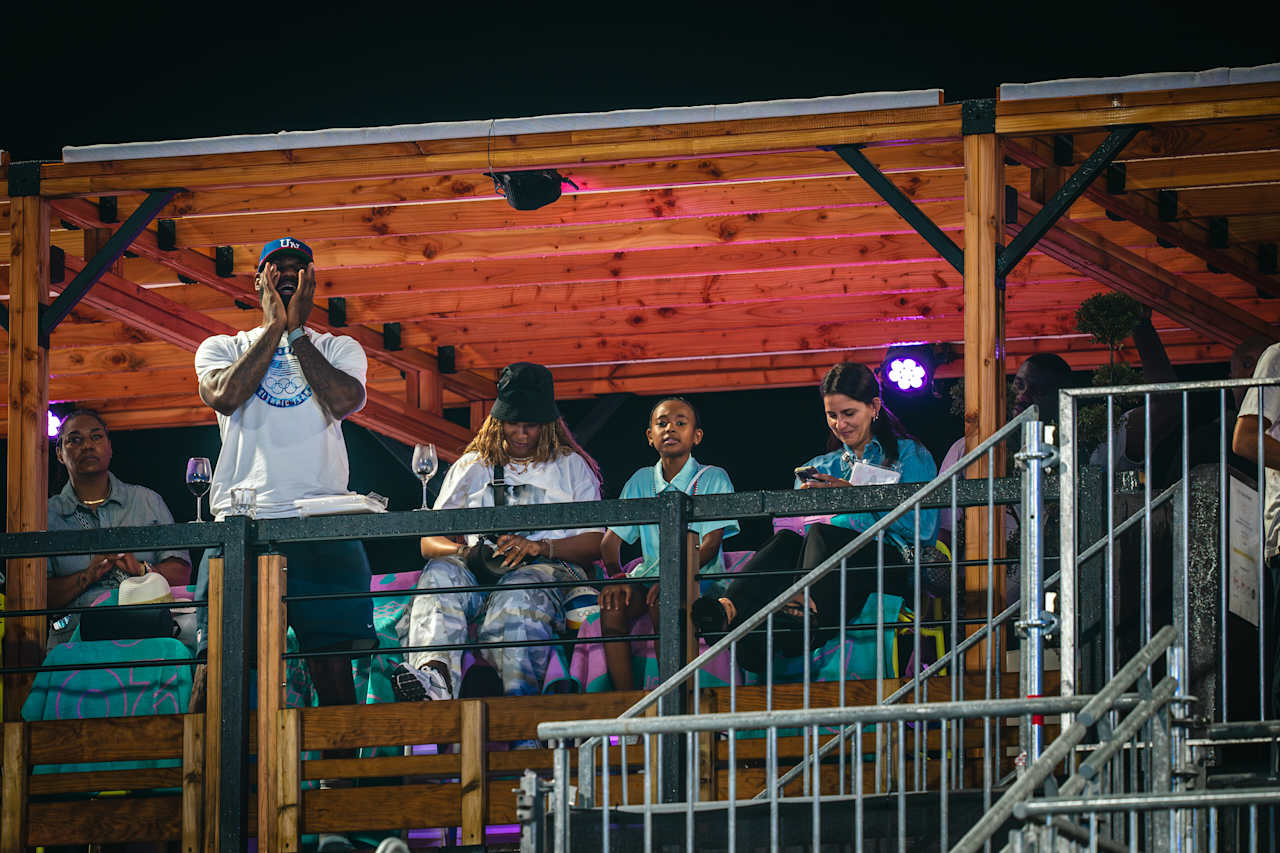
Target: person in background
673	431
94	498
523	453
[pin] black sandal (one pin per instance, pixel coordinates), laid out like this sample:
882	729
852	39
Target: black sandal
709	616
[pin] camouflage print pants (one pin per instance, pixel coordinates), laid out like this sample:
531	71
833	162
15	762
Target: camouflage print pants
501	615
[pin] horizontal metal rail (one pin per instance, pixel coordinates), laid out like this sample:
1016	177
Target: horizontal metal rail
1147	802
845	715
1170	387
266	533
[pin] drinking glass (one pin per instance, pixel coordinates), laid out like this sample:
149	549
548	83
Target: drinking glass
244	501
424	465
199	476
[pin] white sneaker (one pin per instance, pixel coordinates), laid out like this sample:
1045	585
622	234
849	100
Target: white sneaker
392	845
419	685
334	844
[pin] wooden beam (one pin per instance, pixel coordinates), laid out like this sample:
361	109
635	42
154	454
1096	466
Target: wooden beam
1213	170
1230	201
1091	112
225	171
1125	271
984	346
28	442
288	781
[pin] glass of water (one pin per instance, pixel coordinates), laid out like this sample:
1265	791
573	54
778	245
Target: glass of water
199	476
424	466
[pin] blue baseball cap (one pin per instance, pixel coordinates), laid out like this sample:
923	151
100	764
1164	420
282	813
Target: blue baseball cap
285	246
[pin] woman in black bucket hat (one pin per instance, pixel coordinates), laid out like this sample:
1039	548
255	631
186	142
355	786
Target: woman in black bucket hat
523	453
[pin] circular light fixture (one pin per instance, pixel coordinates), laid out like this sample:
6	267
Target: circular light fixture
907	373
55	423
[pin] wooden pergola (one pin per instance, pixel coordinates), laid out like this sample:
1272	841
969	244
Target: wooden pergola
714	250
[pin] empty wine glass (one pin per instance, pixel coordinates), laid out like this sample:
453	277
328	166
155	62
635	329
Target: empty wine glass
199	476
424	465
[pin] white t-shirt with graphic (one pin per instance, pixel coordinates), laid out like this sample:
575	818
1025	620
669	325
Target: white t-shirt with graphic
281	442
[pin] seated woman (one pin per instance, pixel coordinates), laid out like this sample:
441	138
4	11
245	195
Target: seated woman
94	498
864	431
525	442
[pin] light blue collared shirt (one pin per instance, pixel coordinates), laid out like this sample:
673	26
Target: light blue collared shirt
914	463
648	483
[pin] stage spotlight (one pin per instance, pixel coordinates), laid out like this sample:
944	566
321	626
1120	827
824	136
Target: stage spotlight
908	369
55	423
529	189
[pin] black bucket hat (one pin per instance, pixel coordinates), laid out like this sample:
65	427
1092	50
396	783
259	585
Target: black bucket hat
527	394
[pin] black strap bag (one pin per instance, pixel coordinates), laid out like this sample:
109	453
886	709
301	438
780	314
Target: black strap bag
480	559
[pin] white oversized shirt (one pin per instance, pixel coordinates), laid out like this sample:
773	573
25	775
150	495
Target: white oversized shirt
1268	368
567	479
280	442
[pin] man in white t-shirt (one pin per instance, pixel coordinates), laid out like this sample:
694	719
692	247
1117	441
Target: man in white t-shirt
281	391
1264	402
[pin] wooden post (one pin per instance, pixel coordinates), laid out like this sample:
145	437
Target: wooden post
28	451
424	390
213	701
475	792
479	411
271	645
984	372
13	801
192	781
288	787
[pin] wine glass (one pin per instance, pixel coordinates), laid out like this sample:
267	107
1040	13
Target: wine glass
199	476
424	465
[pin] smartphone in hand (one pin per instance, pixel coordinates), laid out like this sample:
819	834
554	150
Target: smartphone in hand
807	473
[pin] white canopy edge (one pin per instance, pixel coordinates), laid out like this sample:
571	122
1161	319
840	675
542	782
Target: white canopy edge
291	139
1077	86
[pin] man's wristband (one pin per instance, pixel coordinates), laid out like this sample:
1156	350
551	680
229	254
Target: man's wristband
295	334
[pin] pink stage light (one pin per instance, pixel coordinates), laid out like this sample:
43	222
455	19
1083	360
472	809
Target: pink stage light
55	423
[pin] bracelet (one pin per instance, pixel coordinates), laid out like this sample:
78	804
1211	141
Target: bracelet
295	334
551	547
147	568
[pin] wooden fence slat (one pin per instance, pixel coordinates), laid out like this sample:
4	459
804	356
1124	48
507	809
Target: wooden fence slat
105	780
106	739
473	746
288	790
271	645
106	821
392	724
213	701
193	786
13	799
349	809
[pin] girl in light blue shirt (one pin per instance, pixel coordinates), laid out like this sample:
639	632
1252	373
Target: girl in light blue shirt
673	431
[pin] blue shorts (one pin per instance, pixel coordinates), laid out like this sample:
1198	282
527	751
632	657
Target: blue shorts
314	568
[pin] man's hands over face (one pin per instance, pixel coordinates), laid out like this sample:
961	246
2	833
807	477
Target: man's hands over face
273	310
300	304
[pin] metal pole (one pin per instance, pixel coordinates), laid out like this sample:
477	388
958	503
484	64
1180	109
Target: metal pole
672	606
1035	624
233	710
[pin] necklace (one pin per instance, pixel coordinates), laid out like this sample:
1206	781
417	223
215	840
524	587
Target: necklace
97	502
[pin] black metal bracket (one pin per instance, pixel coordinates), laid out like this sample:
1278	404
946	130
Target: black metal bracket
109	208
906	208
1219	234
57	265
1117	174
166	235
391	336
1066	195
1064	149
97	265
24	178
978	116
337	311
224	261
446	359
1167	205
1267	259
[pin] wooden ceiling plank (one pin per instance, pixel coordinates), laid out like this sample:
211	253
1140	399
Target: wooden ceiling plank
1211	170
1186	139
573	210
1254	229
1230	201
933	124
665	234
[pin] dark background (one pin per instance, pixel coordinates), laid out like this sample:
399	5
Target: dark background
81	74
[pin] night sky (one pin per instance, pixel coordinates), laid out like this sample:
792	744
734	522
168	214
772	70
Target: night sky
91	73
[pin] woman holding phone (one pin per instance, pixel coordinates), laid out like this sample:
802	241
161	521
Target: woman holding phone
868	445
